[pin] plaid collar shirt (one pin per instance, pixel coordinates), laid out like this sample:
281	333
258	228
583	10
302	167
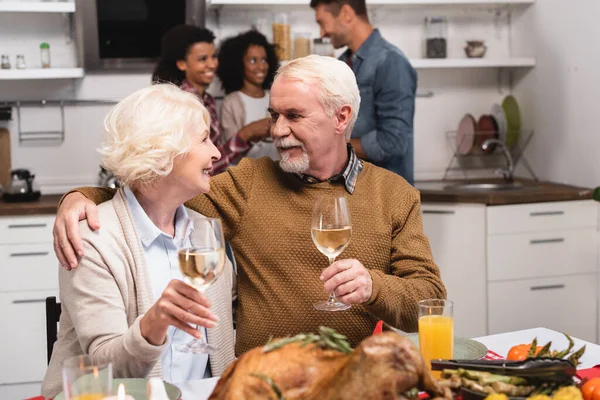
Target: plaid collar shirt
349	174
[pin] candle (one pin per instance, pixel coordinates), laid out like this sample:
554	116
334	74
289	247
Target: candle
120	394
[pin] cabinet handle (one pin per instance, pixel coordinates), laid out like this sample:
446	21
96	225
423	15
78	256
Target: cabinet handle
32	254
17	226
547	287
29	301
443	212
544	241
545	213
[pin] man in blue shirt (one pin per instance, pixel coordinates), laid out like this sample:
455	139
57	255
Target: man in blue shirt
383	133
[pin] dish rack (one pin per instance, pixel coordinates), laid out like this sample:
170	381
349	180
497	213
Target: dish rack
477	163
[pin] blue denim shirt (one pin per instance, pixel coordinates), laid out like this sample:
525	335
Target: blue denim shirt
387	84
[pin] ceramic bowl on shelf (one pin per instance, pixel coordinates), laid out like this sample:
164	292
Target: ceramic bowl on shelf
475	48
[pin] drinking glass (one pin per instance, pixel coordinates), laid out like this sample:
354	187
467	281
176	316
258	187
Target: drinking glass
85	378
201	265
436	330
331	232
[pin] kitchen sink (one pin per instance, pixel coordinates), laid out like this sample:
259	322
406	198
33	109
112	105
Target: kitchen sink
488	187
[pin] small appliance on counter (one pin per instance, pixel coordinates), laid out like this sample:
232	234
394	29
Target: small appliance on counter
21	187
107	179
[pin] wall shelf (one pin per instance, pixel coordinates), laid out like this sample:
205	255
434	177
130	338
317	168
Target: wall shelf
41	73
446	63
375	2
431	63
38	6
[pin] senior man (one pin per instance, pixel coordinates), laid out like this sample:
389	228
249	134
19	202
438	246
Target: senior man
266	207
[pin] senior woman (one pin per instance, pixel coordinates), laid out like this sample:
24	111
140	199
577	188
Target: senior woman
126	303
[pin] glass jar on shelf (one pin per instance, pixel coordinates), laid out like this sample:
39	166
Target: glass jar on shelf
5	62
263	26
436	37
45	55
20	62
281	37
323	47
301	44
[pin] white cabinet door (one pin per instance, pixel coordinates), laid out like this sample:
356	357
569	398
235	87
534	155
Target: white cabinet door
565	304
23	336
542	217
542	254
457	236
26	229
27	267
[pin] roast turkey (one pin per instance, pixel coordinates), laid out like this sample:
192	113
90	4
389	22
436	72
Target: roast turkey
384	366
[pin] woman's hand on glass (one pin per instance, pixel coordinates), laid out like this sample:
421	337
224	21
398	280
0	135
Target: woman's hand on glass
179	305
349	280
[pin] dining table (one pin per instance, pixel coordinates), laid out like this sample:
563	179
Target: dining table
500	344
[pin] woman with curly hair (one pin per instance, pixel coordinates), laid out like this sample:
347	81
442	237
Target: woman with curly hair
189	61
247	65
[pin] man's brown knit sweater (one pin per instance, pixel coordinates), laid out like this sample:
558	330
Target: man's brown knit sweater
266	215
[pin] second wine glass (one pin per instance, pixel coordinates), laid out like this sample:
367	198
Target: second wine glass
202	264
331	232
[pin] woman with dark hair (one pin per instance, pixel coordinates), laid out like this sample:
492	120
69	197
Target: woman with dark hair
247	66
189	60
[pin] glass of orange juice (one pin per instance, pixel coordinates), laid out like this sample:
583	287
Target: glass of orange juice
436	330
86	378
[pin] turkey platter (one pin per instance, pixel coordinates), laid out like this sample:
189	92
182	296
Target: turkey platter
323	366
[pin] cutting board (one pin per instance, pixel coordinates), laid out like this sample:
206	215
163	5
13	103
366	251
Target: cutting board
5	165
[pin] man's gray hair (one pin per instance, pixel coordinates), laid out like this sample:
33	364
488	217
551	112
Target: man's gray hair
336	83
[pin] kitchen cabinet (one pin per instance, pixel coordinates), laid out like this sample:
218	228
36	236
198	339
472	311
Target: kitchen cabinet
28	274
563	303
542	267
32	9
456	233
518	266
37	6
494	3
23	346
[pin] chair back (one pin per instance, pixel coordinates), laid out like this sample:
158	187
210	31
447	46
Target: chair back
53	310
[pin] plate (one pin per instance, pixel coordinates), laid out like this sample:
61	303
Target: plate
464	349
498	114
513	120
486	129
465	135
136	387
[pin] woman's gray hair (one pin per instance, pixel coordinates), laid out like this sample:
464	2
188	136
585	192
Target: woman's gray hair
336	82
148	129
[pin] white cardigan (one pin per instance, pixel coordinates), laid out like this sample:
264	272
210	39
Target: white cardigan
104	299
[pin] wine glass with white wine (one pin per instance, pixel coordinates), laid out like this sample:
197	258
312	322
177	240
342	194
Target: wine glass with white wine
331	232
201	265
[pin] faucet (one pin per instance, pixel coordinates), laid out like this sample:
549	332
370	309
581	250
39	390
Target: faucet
507	173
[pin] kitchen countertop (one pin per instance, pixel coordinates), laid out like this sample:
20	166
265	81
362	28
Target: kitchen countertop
531	192
45	205
431	192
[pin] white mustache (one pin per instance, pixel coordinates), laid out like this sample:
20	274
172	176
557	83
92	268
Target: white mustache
287	142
